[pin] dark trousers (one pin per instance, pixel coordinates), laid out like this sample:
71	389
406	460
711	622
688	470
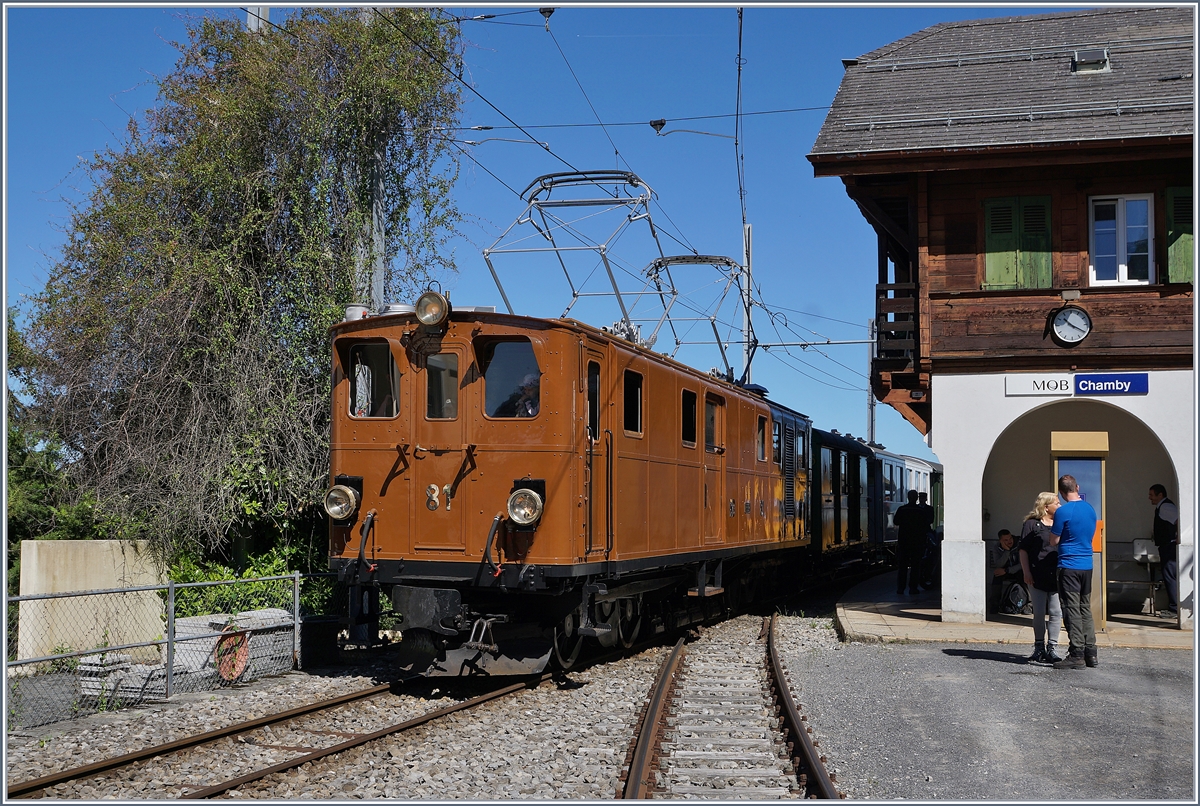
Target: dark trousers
908	555
1075	593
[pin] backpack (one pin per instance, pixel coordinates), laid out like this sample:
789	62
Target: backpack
1016	600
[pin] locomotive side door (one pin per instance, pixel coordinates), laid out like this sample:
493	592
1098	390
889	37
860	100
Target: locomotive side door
714	469
598	454
439	452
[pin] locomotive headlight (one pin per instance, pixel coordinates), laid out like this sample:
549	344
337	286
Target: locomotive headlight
524	507
341	501
432	309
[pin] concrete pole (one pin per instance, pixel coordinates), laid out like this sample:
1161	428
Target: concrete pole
257	18
370	271
870	375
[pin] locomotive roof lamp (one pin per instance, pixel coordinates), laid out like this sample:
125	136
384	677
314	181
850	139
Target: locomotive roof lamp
433	308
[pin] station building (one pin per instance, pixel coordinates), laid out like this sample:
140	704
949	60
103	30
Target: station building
1030	183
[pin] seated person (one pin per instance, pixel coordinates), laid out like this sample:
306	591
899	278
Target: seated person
1005	564
525	402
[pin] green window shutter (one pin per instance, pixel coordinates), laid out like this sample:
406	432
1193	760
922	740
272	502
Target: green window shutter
1033	260
1180	254
1000	237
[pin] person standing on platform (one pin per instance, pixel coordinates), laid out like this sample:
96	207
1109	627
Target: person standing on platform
1166	537
912	524
1073	530
1039	566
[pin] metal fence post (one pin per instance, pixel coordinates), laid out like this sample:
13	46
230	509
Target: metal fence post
170	637
296	618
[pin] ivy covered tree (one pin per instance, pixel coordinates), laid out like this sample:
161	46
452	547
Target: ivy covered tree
179	352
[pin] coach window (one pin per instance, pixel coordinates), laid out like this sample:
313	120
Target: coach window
633	402
710	425
374	382
688	418
776	444
593	391
511	378
760	440
441	372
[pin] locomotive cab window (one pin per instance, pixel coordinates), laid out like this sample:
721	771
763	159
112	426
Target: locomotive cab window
688	418
776	443
511	378
374	382
441	373
760	440
633	402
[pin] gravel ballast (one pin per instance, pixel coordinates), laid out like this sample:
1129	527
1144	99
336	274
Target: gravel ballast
914	721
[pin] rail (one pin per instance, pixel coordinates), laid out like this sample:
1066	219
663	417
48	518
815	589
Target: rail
816	778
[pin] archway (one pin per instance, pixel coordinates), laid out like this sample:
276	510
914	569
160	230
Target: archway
1021	464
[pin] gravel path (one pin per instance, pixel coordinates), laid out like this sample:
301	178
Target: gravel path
959	721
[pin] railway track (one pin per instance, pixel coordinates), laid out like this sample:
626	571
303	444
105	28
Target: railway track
721	723
260	740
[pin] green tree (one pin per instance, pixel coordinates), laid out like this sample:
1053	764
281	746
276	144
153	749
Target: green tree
180	349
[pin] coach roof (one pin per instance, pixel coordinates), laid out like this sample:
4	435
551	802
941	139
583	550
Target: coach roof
1078	76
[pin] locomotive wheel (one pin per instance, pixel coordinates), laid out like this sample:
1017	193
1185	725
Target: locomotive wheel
629	622
567	642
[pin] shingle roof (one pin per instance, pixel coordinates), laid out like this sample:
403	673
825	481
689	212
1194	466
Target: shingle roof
1010	81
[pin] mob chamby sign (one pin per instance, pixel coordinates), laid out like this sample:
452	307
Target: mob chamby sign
1065	384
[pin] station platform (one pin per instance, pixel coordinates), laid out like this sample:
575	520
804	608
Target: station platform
873	611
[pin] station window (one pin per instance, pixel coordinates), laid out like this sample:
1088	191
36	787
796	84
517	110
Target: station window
1122	240
442	386
688	417
633	401
374	382
760	440
511	378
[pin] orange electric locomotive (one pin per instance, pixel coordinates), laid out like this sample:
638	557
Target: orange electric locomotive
517	484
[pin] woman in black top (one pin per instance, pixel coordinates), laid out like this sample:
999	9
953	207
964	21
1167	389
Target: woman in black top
1039	562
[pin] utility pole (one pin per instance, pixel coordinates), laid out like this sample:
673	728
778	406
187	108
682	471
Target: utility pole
870	375
257	18
747	323
369	267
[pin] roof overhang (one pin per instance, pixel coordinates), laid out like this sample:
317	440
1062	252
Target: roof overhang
1001	156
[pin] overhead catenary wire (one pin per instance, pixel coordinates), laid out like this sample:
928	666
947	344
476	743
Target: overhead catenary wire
683	301
387	18
616	151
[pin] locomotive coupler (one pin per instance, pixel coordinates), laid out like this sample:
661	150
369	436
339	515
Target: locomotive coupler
482	627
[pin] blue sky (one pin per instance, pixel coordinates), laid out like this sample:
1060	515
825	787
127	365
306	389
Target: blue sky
75	75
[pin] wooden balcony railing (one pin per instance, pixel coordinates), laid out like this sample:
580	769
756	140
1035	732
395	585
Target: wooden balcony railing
896	326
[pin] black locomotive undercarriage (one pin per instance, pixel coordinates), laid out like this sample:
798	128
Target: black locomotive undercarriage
464	619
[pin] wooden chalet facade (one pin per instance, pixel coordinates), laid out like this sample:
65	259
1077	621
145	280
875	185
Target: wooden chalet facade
1016	171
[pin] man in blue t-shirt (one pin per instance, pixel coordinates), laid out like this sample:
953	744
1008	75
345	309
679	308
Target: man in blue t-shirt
1073	530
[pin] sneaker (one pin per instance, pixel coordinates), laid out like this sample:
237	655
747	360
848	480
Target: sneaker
1071	662
1038	656
1169	613
1051	656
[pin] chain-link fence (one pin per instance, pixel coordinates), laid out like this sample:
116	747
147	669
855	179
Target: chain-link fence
74	654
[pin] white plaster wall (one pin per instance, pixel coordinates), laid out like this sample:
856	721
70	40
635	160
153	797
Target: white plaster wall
971	412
